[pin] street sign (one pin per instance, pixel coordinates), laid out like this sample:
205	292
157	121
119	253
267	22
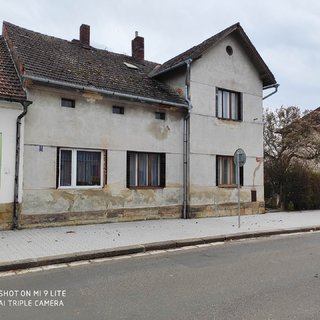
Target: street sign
240	156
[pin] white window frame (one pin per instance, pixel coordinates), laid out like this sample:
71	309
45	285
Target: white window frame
74	169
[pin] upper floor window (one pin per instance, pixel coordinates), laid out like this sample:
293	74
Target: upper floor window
228	105
68	103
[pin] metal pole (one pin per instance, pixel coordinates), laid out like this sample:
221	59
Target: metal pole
238	180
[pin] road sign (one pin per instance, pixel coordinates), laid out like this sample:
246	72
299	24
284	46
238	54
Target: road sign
240	156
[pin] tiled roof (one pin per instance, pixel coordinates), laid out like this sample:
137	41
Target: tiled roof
51	58
10	86
197	51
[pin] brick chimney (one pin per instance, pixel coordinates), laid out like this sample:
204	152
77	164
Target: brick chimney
85	35
137	45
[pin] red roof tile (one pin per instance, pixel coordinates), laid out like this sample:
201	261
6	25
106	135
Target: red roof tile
10	86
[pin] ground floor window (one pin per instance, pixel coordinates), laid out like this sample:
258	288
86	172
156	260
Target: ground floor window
146	170
226	172
78	168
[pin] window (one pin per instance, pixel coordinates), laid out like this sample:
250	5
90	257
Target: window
78	168
226	172
68	103
160	115
228	105
118	110
146	170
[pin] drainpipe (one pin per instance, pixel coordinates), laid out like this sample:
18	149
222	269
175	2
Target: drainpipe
15	222
275	86
186	139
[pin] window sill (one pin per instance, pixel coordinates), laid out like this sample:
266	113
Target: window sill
147	187
79	187
229	120
230	186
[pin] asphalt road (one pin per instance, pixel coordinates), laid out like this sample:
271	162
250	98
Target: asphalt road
275	278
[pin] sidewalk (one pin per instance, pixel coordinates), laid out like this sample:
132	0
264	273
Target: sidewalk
36	247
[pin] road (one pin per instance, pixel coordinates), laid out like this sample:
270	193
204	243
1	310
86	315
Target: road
274	278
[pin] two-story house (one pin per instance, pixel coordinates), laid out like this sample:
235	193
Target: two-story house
112	137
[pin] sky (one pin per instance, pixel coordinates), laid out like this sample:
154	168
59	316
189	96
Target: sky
286	33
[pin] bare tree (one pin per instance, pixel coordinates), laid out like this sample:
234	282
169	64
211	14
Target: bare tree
289	137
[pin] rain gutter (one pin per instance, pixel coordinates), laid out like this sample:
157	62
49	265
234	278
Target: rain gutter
103	91
275	86
25	104
186	143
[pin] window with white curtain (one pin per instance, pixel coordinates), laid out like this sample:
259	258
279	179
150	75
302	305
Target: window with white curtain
80	168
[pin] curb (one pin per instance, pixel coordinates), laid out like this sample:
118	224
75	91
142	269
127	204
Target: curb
141	248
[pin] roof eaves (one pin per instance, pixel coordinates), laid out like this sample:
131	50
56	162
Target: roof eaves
106	92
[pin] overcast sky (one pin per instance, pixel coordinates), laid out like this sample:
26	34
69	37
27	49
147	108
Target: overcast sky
286	33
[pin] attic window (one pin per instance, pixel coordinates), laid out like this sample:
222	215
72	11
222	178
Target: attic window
118	110
229	50
160	115
68	103
130	66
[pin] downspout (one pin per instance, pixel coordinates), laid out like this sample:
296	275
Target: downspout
15	222
186	140
275	86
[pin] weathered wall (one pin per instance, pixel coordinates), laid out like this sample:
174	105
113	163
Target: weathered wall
91	124
8	117
211	136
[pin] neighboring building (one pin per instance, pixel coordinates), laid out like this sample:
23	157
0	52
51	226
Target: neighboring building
111	137
12	100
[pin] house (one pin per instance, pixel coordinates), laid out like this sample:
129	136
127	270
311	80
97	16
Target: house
112	137
12	105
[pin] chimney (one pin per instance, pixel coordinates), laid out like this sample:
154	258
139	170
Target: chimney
137	45
85	35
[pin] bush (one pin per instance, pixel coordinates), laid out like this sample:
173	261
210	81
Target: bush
301	189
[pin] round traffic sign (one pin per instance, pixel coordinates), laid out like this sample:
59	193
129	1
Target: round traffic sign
240	156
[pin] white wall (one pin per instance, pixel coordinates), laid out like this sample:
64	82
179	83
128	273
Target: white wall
8	117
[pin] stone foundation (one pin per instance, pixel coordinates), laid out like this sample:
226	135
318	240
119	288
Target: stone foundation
6	216
91	217
135	214
226	209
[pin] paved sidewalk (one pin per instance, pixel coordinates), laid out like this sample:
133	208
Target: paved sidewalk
35	247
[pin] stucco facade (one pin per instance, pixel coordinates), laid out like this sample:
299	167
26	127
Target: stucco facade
92	125
211	136
117	138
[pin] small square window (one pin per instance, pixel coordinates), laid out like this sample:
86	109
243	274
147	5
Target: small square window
118	110
160	115
68	103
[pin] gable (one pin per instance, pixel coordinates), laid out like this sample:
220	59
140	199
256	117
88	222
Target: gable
198	51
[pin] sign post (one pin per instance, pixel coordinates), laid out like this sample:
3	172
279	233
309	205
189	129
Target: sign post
239	160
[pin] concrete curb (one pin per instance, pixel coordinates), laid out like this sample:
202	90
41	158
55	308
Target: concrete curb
140	248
